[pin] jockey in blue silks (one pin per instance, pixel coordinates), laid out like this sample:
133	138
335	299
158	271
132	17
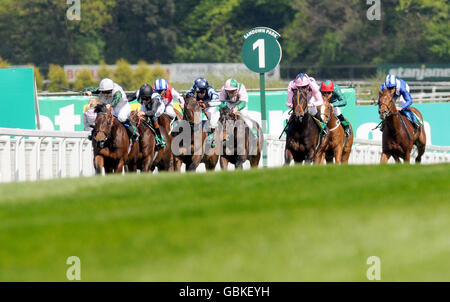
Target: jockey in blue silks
401	89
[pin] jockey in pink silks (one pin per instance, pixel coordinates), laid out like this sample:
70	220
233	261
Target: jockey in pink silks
314	97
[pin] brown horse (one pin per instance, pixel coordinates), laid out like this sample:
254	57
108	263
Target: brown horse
399	135
198	150
110	142
338	146
147	157
302	133
238	144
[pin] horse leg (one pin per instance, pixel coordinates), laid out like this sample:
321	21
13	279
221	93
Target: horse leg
254	160
407	158
223	163
384	158
288	157
421	145
338	154
147	163
240	162
99	163
310	157
119	167
177	163
196	159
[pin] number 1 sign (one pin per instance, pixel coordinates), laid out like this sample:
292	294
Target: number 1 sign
261	53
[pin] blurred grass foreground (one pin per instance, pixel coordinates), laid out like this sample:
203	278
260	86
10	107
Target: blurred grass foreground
303	223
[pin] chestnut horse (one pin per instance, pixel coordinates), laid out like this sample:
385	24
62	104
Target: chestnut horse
338	146
110	142
146	157
238	144
302	132
398	134
199	150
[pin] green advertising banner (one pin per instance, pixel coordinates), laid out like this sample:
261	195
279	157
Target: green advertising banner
417	72
435	118
66	114
17	106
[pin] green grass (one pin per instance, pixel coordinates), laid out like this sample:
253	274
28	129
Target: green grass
287	224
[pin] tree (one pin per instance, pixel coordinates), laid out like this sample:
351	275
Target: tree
57	77
123	74
84	79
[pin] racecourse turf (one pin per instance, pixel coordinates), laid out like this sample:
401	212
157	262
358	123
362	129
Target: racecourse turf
303	223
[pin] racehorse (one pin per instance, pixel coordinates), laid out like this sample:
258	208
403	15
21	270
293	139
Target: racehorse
110	142
338	146
199	151
399	135
244	145
147	157
302	132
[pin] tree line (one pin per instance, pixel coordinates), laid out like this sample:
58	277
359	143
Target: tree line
324	32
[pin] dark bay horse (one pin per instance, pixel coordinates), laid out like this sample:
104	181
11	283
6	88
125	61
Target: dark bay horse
302	132
238	143
337	146
146	157
198	150
399	135
110	142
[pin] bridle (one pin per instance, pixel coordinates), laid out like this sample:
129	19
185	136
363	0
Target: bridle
300	104
108	132
388	106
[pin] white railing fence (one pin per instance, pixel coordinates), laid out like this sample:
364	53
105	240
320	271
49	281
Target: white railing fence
364	152
33	154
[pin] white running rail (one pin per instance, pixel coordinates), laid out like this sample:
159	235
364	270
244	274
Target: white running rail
364	152
33	154
29	155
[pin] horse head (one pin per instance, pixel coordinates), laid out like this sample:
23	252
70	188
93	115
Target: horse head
103	124
299	103
192	111
226	114
386	103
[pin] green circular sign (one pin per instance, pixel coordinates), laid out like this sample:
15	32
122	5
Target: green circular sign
261	51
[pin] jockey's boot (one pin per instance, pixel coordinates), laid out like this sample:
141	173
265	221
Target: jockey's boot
210	137
160	142
134	133
322	125
346	124
132	130
416	124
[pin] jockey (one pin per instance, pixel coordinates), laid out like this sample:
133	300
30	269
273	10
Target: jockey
209	100
334	94
113	95
314	97
168	93
152	106
234	95
401	89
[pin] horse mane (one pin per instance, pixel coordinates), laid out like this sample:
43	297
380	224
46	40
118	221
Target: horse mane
226	112
100	108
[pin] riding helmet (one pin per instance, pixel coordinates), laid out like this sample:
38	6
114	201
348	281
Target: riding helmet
327	86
